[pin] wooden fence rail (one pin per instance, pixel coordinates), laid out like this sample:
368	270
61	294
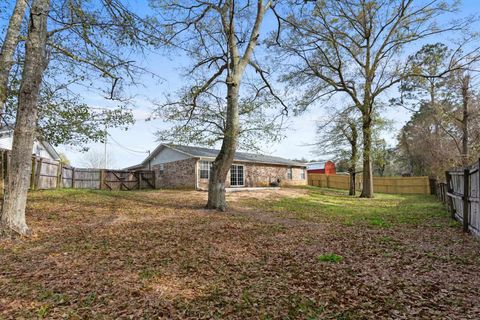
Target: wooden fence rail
461	195
413	185
50	174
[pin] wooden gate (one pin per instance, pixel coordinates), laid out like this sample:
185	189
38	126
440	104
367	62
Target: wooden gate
127	180
463	191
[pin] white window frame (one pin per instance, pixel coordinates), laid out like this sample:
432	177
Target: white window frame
209	164
243	176
303	174
161	168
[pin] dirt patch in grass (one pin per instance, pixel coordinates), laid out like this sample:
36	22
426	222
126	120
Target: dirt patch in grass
160	254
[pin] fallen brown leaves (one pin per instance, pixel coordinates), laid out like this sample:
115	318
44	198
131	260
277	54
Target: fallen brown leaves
159	254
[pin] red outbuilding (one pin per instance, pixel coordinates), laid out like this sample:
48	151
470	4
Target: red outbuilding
325	167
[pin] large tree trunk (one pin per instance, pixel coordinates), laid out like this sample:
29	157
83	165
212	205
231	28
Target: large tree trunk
15	197
8	49
353	157
351	190
465	102
367	191
223	162
236	68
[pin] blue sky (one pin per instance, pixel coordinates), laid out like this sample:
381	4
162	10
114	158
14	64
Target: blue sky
130	147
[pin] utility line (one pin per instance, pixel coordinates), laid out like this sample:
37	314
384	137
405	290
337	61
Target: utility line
126	148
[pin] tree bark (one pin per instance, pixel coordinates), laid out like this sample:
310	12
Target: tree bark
465	102
353	157
8	49
15	197
367	191
236	69
223	162
351	190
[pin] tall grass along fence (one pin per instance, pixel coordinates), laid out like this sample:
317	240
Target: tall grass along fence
461	195
50	174
412	185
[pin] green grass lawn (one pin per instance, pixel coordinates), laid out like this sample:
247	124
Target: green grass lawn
295	253
332	205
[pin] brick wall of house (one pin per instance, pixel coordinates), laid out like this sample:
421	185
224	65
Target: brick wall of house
176	174
261	175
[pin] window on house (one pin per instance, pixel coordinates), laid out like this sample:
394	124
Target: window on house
161	168
205	167
236	176
289	174
302	175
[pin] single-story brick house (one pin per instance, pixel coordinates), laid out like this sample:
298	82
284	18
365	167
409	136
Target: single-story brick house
178	166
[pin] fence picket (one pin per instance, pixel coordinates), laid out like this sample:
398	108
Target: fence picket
50	174
412	185
462	196
466	189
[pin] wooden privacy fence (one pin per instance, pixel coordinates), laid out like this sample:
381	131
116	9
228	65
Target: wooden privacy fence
50	174
461	195
412	185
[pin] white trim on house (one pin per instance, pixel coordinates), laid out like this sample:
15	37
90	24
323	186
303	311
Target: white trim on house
198	170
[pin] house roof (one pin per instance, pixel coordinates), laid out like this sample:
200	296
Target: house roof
207	153
314	165
50	149
7	131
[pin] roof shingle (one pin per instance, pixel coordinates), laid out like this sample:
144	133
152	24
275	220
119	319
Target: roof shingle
239	156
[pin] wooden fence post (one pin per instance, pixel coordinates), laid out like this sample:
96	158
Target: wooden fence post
59	175
3	175
33	174
38	173
154	179
466	189
5	168
448	199
102	178
443	188
73	178
433	186
139	178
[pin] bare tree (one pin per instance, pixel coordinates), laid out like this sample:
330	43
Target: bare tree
448	97
95	159
354	48
220	37
466	97
339	136
259	120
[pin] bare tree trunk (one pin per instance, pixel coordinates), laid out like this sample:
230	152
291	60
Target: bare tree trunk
351	190
353	157
367	191
236	69
465	102
15	197
8	49
223	162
